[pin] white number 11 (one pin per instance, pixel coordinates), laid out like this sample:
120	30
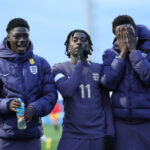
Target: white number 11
88	90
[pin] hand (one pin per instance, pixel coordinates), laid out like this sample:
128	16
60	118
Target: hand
131	38
82	53
109	142
28	114
121	37
14	104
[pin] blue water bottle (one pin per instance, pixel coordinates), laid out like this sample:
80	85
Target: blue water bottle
21	123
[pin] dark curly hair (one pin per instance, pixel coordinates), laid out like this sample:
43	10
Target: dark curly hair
122	19
17	22
67	52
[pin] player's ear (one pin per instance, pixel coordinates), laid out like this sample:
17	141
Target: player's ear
88	48
8	38
70	47
137	39
69	44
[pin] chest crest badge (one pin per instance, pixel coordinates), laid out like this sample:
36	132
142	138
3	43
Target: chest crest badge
95	76
33	69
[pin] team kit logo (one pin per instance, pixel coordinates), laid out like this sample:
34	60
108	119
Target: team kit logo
95	76
33	69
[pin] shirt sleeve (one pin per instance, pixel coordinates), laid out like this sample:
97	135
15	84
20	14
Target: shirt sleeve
68	84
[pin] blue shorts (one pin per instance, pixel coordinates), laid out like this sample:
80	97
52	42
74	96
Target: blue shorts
31	144
132	136
81	144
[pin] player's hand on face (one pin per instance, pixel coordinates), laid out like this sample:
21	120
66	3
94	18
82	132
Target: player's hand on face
121	36
28	114
14	104
131	38
82	53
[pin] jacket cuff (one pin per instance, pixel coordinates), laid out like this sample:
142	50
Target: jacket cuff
135	56
36	114
4	106
110	132
118	64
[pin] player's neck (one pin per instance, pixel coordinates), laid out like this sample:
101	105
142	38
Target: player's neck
74	60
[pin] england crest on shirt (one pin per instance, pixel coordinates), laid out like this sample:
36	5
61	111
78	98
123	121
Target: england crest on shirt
95	76
33	69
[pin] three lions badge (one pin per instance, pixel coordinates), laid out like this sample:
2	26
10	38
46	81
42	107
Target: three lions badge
33	69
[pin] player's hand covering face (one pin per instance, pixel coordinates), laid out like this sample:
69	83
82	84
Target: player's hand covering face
78	42
126	38
82	53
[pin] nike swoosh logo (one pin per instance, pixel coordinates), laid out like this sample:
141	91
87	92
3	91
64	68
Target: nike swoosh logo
4	75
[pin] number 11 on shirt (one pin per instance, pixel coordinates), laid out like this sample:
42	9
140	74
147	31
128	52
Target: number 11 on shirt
88	88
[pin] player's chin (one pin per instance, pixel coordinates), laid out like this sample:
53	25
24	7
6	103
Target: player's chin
75	54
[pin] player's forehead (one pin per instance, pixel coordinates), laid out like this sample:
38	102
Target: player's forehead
124	25
79	35
19	30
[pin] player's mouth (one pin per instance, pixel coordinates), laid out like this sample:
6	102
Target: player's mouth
22	48
76	48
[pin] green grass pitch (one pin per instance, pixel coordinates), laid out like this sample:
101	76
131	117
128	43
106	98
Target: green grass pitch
53	137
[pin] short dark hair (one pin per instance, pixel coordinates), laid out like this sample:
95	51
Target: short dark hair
122	19
67	52
17	22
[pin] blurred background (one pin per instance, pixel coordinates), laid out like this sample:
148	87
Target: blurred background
51	21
